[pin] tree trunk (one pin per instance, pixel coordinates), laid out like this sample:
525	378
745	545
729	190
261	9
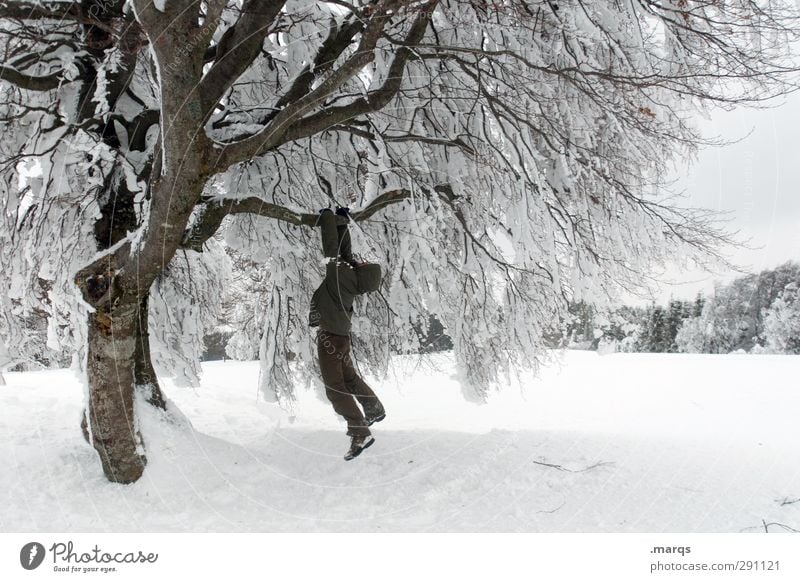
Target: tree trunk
144	373
111	427
118	341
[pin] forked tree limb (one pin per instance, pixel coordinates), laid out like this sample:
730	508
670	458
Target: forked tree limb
215	211
299	119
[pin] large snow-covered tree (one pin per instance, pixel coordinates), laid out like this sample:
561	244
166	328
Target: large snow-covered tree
782	321
502	159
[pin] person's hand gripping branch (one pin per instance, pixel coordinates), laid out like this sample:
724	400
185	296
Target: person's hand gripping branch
343	247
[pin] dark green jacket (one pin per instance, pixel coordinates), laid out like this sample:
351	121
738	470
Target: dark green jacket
332	302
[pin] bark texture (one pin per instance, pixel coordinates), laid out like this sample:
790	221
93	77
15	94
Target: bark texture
111	416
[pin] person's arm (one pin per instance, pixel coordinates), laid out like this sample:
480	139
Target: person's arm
330	237
343	232
339	277
336	284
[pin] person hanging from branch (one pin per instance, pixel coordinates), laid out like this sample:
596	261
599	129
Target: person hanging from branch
331	311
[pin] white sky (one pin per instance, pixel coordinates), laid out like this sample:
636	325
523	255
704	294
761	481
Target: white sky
756	180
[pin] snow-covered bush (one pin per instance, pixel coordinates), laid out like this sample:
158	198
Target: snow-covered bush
735	316
782	322
692	336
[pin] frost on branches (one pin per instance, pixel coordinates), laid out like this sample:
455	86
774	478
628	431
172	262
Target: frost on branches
754	313
184	306
782	322
525	188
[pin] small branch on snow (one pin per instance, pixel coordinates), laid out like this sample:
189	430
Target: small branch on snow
561	468
765	526
563	503
784	526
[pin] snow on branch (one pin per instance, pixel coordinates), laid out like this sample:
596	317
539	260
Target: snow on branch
31	82
236	50
211	216
290	124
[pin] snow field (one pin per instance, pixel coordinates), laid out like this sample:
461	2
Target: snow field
617	443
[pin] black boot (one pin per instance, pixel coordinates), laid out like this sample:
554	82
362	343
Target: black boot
358	444
373	414
371	419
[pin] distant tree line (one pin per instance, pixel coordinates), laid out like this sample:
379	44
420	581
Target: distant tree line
754	313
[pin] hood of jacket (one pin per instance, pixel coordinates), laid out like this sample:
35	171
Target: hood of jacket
368	277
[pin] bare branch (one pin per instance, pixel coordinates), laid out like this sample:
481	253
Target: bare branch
215	211
31	82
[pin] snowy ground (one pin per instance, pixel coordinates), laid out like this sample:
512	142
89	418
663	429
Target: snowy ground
616	443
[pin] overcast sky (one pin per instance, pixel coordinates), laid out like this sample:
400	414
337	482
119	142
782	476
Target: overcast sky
757	180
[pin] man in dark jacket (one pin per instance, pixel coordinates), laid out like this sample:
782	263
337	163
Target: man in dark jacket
332	310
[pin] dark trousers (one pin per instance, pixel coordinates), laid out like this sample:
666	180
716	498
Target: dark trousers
342	383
